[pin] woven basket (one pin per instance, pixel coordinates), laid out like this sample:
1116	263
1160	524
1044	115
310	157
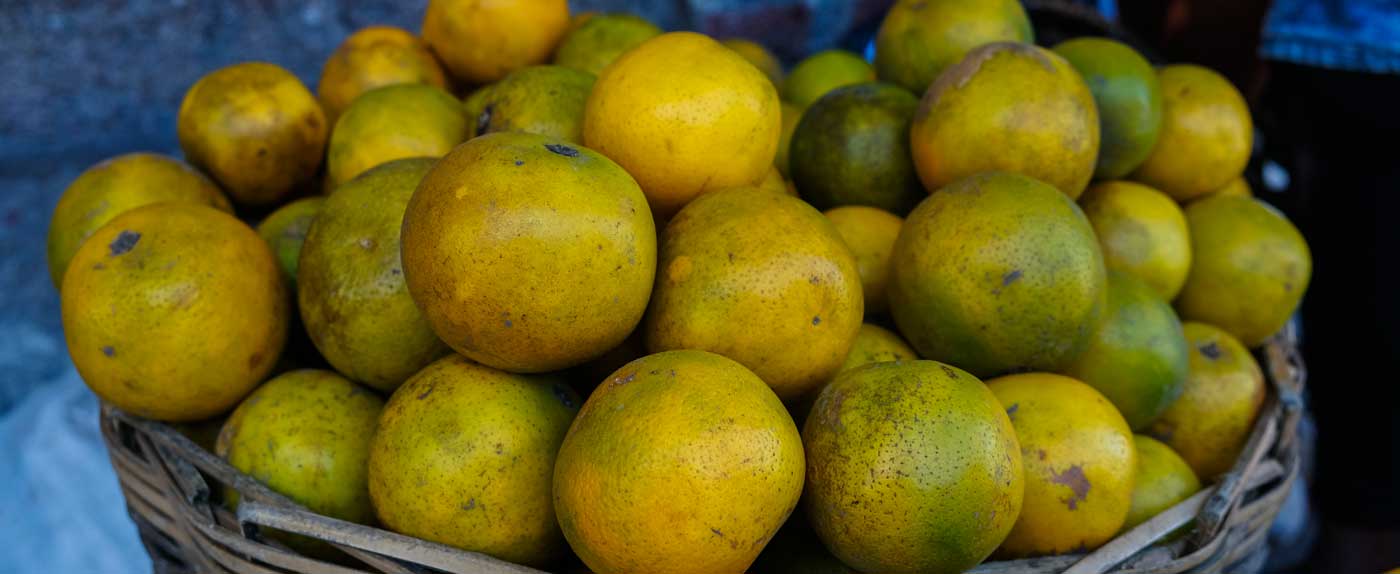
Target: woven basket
173	489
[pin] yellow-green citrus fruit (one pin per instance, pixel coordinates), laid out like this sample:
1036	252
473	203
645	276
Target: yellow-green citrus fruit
1249	267
306	435
870	233
1209	424
353	297
174	311
544	100
997	273
682	133
1137	355
528	253
1080	464
1142	232
851	147
464	456
1129	99
115	186
761	278
481	42
394	122
1163	479
822	72
911	467
1007	107
918	39
681	462
255	128
1206	134
285	232
597	42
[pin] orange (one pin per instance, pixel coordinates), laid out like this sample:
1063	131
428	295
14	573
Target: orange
911	467
1080	464
870	233
1209	424
255	128
761	278
527	253
680	462
374	57
115	186
174	311
918	39
1007	107
480	41
1206	134
680	133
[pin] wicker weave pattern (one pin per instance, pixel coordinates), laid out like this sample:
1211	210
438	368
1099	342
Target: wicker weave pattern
170	486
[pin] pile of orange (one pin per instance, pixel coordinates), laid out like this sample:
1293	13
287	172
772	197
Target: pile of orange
556	289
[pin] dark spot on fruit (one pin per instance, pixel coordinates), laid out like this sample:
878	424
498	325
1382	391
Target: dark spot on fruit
949	371
1210	350
814	280
731	257
255	360
625	379
519	162
562	393
1078	484
471	503
396	271
125	241
717	532
509	324
1011	410
483	121
563	150
1011	277
109	351
1040	453
262	152
500	448
816	321
424	394
98	267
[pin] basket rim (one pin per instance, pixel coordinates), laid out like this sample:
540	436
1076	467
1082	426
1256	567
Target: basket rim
1267	466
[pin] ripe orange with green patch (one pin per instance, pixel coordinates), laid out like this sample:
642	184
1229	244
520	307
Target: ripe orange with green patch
488	441
911	467
352	296
997	273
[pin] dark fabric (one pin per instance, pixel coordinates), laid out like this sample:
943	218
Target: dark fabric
1335	133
